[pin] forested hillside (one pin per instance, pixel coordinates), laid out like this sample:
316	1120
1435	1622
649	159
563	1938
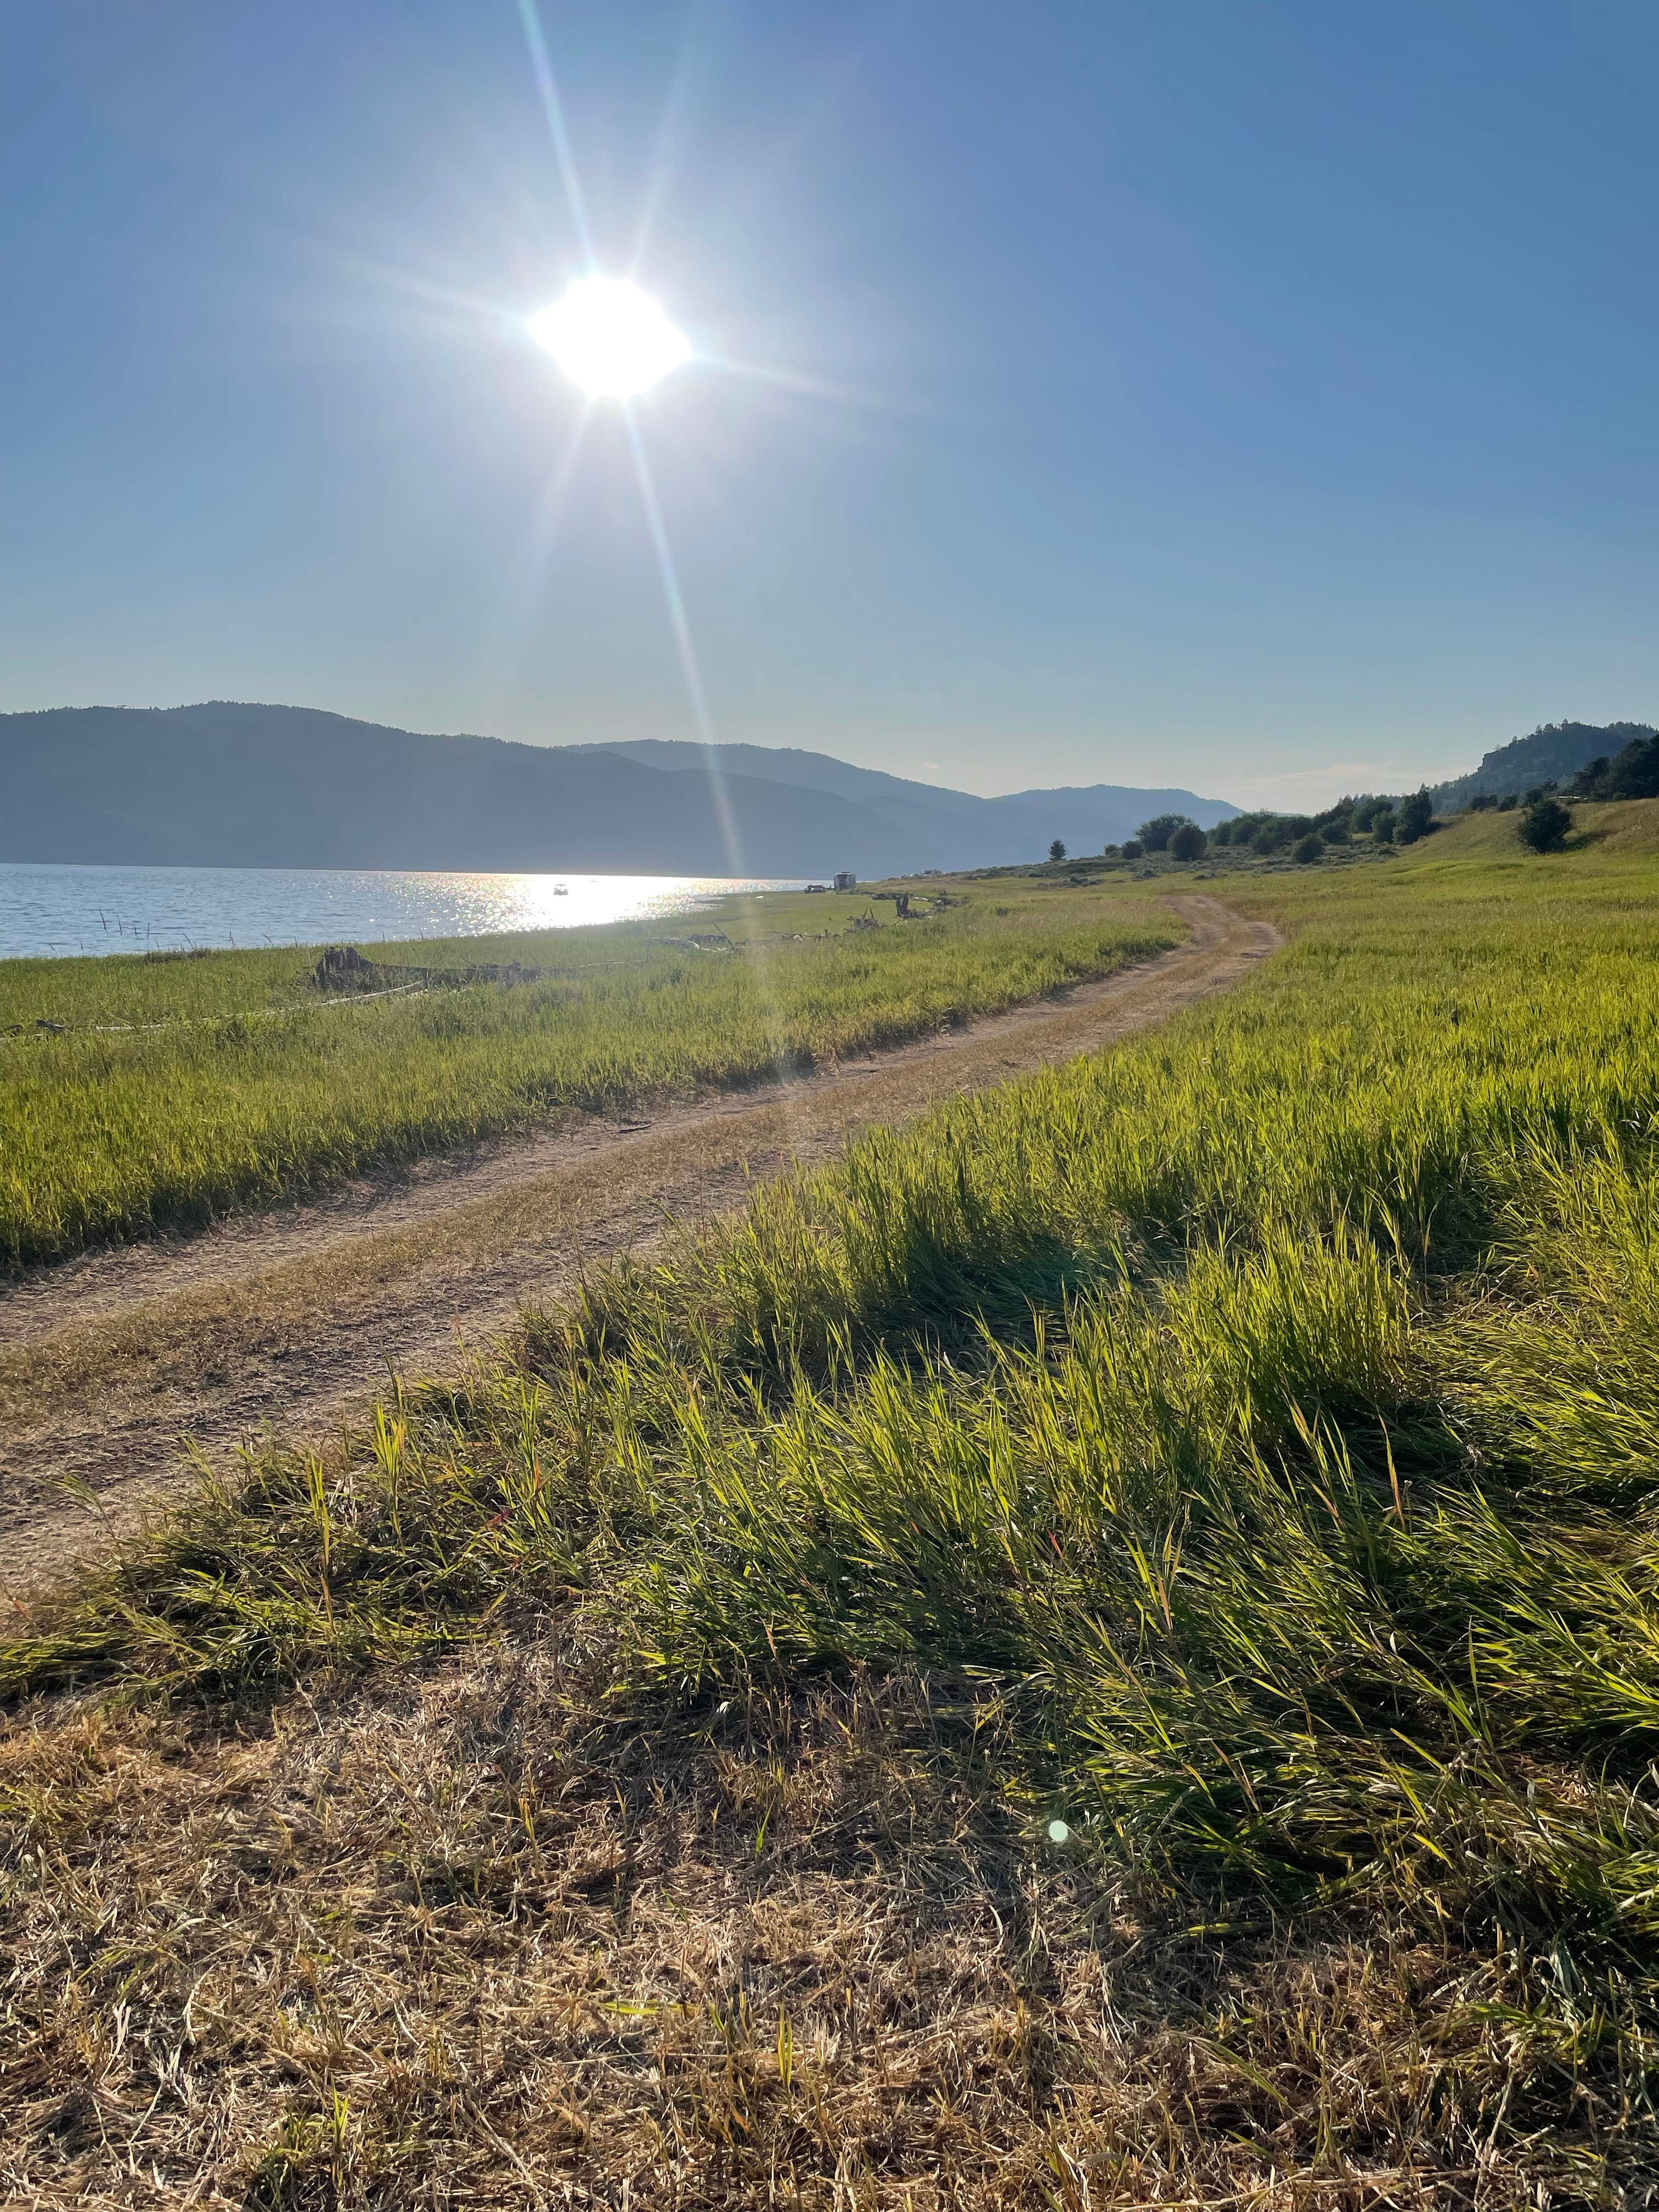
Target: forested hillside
1553	753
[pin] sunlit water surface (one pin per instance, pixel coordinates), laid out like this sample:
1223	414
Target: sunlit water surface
56	910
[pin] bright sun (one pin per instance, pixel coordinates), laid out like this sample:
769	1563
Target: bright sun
610	337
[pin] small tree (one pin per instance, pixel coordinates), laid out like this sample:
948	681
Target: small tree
1307	850
1188	842
1155	834
1382	825
1057	850
1545	824
1415	818
1132	848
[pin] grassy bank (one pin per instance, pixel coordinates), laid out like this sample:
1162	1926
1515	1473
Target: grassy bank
1238	1448
166	1091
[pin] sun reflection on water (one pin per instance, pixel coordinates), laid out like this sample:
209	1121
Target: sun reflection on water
46	910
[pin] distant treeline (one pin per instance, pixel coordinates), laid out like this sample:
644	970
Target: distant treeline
1507	780
1564	757
1385	821
1301	838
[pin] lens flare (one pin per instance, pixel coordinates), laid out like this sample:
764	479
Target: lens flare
610	337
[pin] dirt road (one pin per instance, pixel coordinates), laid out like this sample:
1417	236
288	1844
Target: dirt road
291	1319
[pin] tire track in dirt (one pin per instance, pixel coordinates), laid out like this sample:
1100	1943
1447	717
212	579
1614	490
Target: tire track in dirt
290	1319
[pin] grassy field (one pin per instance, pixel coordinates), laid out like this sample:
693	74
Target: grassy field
168	1090
1103	1650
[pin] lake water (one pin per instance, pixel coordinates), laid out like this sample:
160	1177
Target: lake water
57	910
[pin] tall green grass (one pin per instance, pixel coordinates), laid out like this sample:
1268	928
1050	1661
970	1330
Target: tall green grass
234	1085
1264	1418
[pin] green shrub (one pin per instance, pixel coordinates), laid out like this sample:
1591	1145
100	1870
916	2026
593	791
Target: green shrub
1187	842
1545	824
1307	850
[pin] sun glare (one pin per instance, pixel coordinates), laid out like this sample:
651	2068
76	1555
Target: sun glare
610	337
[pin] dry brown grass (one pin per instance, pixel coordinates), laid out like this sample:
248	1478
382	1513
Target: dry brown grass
463	1941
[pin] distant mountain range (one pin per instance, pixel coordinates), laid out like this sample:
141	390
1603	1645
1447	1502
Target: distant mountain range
230	784
1553	754
955	829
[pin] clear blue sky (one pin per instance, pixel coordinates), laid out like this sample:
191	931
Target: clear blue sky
1256	397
